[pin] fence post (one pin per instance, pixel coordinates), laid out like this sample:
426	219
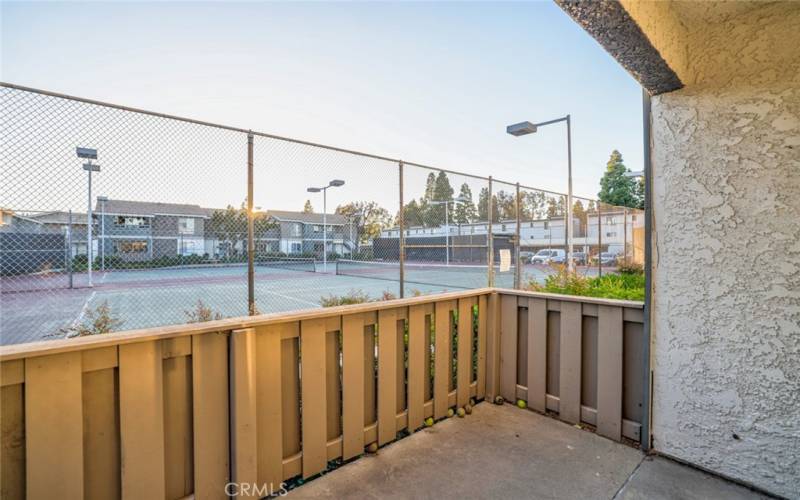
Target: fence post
599	238
402	238
69	248
517	261
490	236
251	244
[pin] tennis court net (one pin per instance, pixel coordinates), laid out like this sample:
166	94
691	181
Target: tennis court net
459	276
302	264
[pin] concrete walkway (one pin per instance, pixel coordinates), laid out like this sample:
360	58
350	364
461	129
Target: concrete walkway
504	452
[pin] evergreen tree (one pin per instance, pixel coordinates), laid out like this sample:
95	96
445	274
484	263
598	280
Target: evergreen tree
616	188
483	206
465	212
307	208
442	191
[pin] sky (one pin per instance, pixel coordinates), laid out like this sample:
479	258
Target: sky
433	83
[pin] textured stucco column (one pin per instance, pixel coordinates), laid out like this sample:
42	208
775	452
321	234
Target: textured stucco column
726	260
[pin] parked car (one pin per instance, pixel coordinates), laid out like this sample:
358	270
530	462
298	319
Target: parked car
526	257
548	256
579	258
606	259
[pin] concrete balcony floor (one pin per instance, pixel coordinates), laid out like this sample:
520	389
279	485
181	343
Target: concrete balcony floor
505	452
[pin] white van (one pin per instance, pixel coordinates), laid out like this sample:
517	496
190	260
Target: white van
548	256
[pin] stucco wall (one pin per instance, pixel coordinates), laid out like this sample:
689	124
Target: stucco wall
726	268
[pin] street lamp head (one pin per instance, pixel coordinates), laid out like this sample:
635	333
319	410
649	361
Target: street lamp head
102	198
336	183
86	153
314	190
523	128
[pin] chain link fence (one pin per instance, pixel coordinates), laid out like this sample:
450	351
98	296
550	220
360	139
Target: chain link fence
177	221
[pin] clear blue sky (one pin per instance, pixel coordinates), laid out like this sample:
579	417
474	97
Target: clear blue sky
432	83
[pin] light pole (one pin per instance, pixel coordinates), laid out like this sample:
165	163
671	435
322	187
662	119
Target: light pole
525	128
102	200
333	183
89	154
446	204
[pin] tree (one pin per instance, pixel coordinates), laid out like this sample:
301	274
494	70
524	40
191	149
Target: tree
616	188
229	227
413	214
368	219
483	206
307	208
465	212
442	192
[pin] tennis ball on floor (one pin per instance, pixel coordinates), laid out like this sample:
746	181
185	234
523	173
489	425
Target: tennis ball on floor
461	412
522	404
499	400
372	448
428	421
450	412
468	409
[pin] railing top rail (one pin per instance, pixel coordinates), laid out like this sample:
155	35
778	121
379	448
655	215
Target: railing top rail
46	347
256	133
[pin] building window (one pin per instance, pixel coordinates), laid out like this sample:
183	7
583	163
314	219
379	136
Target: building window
531	224
610	220
295	248
127	221
297	229
611	235
547	224
317	229
472	229
503	227
134	247
185	225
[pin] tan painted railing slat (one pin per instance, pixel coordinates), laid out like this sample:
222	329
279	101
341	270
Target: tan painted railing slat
333	401
141	402
210	401
290	398
244	466
464	363
537	354
353	386
442	358
416	366
483	322
54	426
387	375
178	423
609	371
508	346
313	389
101	446
569	376
269	413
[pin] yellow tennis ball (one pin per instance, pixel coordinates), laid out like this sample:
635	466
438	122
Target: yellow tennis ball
522	404
429	421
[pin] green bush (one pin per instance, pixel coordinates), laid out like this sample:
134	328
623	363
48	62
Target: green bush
627	285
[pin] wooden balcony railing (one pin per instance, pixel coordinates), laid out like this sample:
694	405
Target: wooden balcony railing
184	410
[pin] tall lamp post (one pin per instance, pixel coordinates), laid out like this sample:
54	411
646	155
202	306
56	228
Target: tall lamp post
102	201
89	155
446	204
525	128
333	183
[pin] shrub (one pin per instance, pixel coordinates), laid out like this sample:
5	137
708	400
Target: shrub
351	297
96	322
202	313
628	285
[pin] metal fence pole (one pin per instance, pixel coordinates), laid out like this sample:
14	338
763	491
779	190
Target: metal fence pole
402	238
599	239
490	236
625	233
69	247
517	260
251	244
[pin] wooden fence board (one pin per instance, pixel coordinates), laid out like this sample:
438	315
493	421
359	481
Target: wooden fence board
210	407
244	452
609	372
54	426
464	373
537	354
570	363
314	400
12	446
482	332
416	366
353	385
290	397
141	407
101	447
508	346
333	389
178	443
387	375
442	358
269	412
